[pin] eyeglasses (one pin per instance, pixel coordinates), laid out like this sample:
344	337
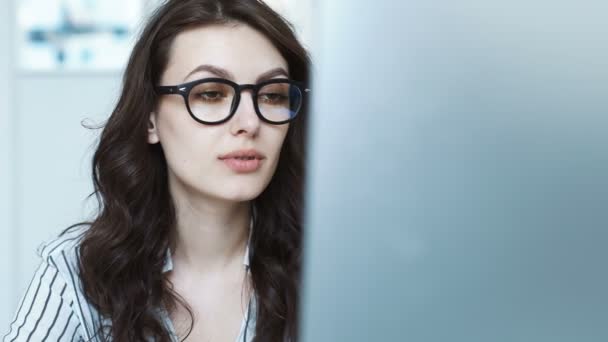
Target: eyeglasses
213	101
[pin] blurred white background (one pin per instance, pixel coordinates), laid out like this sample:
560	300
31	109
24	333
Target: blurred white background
45	152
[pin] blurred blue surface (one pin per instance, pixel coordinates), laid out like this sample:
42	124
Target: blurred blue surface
459	172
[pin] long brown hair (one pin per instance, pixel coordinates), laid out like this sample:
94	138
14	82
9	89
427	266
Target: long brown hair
123	251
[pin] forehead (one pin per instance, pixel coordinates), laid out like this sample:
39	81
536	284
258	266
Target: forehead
238	48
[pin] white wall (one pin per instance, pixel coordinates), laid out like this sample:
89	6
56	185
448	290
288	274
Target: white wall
47	166
44	158
6	167
299	13
52	154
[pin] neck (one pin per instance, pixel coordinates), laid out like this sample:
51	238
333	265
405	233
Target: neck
211	236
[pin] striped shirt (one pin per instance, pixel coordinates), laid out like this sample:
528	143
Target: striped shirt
54	307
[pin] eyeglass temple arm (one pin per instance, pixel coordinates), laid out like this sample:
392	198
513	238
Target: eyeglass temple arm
171	90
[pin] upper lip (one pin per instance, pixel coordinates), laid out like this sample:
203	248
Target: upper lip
243	153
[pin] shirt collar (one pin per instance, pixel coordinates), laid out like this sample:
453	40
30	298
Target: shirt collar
168	265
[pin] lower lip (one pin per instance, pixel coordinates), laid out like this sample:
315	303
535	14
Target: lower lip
238	165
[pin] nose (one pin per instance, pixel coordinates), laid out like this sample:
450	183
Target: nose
245	120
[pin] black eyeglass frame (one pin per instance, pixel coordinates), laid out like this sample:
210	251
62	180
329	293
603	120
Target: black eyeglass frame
185	88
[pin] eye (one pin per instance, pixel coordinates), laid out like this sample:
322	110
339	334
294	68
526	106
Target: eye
272	98
210	95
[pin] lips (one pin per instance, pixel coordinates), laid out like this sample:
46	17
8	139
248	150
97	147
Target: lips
243	161
243	166
249	154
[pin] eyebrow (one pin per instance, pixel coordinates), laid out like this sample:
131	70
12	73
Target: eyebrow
223	73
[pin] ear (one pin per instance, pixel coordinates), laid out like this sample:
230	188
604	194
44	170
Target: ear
152	131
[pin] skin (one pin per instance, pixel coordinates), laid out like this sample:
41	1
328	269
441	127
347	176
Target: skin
212	201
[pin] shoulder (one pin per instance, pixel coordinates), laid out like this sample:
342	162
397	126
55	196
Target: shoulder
63	247
61	252
52	307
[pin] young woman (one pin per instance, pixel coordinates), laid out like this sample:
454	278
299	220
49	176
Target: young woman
199	174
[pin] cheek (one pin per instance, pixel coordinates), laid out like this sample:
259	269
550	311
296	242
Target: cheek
280	136
283	137
188	146
277	141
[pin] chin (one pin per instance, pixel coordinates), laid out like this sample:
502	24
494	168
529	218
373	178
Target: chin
241	194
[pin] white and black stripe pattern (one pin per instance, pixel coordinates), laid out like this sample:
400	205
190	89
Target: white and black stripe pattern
46	311
55	309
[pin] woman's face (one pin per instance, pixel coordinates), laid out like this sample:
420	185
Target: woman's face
193	150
